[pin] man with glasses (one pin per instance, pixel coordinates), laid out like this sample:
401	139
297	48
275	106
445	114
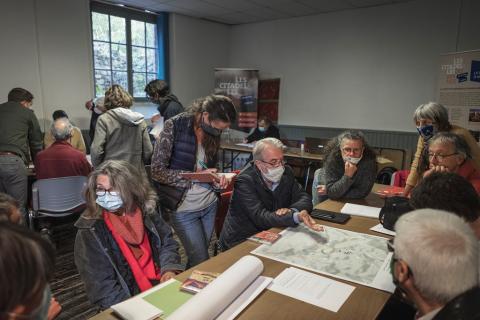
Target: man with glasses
448	152
265	195
350	167
158	91
436	265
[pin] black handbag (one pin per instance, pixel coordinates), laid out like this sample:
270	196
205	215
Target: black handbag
392	210
168	196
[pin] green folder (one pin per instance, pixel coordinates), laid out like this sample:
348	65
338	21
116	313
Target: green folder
168	298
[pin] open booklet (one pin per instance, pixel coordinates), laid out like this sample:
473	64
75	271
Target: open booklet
224	298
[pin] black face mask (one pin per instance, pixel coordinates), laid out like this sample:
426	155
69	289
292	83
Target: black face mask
209	129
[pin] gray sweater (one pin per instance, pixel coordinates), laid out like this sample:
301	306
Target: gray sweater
341	186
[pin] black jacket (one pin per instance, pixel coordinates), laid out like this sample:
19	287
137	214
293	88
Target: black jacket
463	307
102	267
271	132
169	107
253	205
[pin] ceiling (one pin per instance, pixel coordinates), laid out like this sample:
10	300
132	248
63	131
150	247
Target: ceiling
248	11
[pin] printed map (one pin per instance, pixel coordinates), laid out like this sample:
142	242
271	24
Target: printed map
344	254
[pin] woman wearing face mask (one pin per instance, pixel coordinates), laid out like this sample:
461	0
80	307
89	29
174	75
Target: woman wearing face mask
189	143
431	118
26	267
350	167
265	129
123	246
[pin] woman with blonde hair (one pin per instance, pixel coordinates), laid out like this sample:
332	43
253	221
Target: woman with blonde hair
120	133
123	246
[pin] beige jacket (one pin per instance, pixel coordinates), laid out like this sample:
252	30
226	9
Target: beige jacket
465	134
76	141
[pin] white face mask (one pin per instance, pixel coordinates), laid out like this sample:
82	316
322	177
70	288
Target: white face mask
352	160
274	174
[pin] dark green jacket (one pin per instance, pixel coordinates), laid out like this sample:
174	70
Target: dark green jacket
19	131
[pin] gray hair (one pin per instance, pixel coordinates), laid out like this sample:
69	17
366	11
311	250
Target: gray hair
132	185
460	145
433	111
351	135
441	250
261	145
61	129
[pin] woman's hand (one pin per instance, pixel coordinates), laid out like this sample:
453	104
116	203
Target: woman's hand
167	276
321	190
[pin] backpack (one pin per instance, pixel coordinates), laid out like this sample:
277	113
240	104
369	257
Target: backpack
393	209
384	176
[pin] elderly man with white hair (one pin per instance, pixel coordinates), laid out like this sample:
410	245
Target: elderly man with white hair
61	159
265	195
436	264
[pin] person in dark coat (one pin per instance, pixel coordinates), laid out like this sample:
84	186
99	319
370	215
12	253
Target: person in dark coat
265	195
265	129
123	246
168	105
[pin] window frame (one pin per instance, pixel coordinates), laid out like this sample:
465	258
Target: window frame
159	20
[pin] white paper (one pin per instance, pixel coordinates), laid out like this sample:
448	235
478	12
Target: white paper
136	309
359	210
221	292
248	145
379	228
384	278
245	298
311	288
157	128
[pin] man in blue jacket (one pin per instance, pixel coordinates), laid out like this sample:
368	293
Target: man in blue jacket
265	195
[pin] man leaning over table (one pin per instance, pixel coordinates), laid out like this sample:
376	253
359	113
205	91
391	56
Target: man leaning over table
265	195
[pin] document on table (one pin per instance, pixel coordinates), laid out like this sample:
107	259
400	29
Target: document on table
359	210
311	288
379	228
248	145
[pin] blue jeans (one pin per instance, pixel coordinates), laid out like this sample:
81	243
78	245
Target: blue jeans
195	228
318	179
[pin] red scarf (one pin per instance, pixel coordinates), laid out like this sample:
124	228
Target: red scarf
129	233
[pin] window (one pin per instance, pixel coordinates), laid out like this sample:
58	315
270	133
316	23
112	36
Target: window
127	49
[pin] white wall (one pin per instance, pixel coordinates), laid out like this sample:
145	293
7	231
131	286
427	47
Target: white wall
197	47
366	68
46	49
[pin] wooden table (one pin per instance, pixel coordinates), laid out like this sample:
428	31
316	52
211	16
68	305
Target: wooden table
364	302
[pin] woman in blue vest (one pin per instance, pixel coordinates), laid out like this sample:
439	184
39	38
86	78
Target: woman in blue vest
189	142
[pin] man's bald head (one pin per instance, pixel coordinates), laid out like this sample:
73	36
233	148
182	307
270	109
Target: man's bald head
61	129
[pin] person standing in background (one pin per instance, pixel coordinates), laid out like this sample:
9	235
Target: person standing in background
168	105
20	140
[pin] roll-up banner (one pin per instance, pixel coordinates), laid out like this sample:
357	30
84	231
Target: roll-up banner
240	85
459	89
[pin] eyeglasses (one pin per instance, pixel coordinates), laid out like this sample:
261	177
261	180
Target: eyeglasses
440	157
391	248
275	162
352	150
101	192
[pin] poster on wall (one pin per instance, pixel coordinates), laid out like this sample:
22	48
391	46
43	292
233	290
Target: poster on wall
241	85
459	89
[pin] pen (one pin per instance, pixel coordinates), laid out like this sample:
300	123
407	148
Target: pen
202	164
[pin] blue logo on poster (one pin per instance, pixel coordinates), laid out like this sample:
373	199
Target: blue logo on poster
475	71
462	77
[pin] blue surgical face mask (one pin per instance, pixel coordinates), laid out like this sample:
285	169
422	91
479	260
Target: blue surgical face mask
426	131
261	129
110	201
